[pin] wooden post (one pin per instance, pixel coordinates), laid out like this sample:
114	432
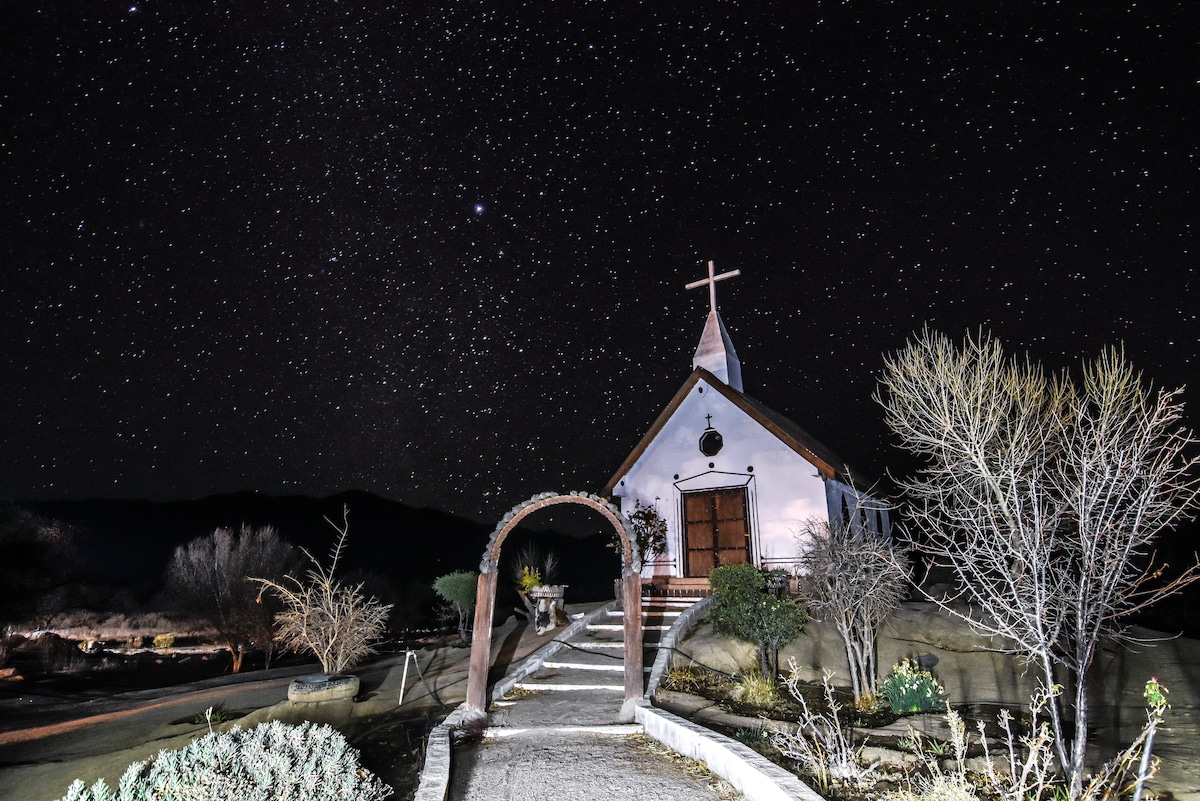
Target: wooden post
635	682
481	644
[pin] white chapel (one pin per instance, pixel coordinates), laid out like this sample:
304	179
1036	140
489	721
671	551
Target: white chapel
732	478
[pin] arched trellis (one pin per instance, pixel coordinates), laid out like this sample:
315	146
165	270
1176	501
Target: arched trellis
485	595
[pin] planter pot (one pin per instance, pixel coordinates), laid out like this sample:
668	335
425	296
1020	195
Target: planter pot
552	591
550	610
322	687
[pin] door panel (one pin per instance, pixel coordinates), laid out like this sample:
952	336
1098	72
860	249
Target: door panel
715	530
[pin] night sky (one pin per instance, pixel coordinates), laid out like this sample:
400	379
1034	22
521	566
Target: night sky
440	253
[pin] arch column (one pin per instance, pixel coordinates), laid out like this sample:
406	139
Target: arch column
485	596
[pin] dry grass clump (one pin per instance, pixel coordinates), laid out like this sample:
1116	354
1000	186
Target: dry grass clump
686	678
698	770
756	690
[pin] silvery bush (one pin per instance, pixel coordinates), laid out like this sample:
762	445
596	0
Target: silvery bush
271	762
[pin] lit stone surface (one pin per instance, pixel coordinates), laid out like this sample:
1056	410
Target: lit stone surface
539	765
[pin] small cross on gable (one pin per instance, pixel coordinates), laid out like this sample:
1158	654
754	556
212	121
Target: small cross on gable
711	281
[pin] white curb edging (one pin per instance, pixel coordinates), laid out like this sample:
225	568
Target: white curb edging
679	629
756	777
435	775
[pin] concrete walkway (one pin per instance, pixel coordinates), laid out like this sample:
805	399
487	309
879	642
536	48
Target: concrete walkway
577	765
560	724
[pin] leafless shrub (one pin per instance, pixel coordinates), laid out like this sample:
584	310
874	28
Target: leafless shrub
335	621
938	784
208	577
1025	768
856	581
822	745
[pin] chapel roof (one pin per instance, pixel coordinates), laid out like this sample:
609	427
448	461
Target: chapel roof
828	464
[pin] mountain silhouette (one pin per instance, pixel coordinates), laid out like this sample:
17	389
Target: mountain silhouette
130	542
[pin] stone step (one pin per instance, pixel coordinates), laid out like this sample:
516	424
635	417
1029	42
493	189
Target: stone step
589	656
621	628
665	603
541	686
618	667
647	616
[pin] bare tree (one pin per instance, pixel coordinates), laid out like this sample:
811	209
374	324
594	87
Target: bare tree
208	577
336	621
1043	500
854	580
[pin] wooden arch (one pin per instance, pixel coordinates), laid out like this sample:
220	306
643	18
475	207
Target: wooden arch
485	595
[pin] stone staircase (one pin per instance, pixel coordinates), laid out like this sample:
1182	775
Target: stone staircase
583	683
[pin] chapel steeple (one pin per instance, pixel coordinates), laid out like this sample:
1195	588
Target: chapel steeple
715	352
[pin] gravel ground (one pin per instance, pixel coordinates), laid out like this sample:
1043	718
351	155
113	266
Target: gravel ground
537	765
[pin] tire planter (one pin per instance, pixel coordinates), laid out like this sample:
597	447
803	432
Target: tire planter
322	687
550	611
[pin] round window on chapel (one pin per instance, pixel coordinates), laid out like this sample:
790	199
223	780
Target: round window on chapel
711	442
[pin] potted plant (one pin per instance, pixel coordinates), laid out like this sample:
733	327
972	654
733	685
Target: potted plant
335	621
542	599
648	530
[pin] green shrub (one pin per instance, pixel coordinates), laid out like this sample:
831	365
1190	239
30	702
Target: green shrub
272	761
752	736
911	690
743	608
458	589
214	714
733	582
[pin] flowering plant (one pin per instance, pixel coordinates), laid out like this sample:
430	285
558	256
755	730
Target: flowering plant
1156	695
528	578
910	690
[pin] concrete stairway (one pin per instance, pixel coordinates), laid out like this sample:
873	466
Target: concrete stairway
583	683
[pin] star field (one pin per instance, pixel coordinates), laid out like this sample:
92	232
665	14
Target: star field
439	253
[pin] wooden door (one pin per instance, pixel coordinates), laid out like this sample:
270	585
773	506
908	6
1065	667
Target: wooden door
716	531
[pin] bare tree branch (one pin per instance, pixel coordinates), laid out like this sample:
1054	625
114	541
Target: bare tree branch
855	581
1042	499
337	622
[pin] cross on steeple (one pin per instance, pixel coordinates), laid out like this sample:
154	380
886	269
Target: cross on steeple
712	284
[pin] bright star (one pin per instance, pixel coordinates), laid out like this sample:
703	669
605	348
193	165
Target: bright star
479	208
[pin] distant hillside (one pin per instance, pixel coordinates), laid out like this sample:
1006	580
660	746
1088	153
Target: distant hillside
131	541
